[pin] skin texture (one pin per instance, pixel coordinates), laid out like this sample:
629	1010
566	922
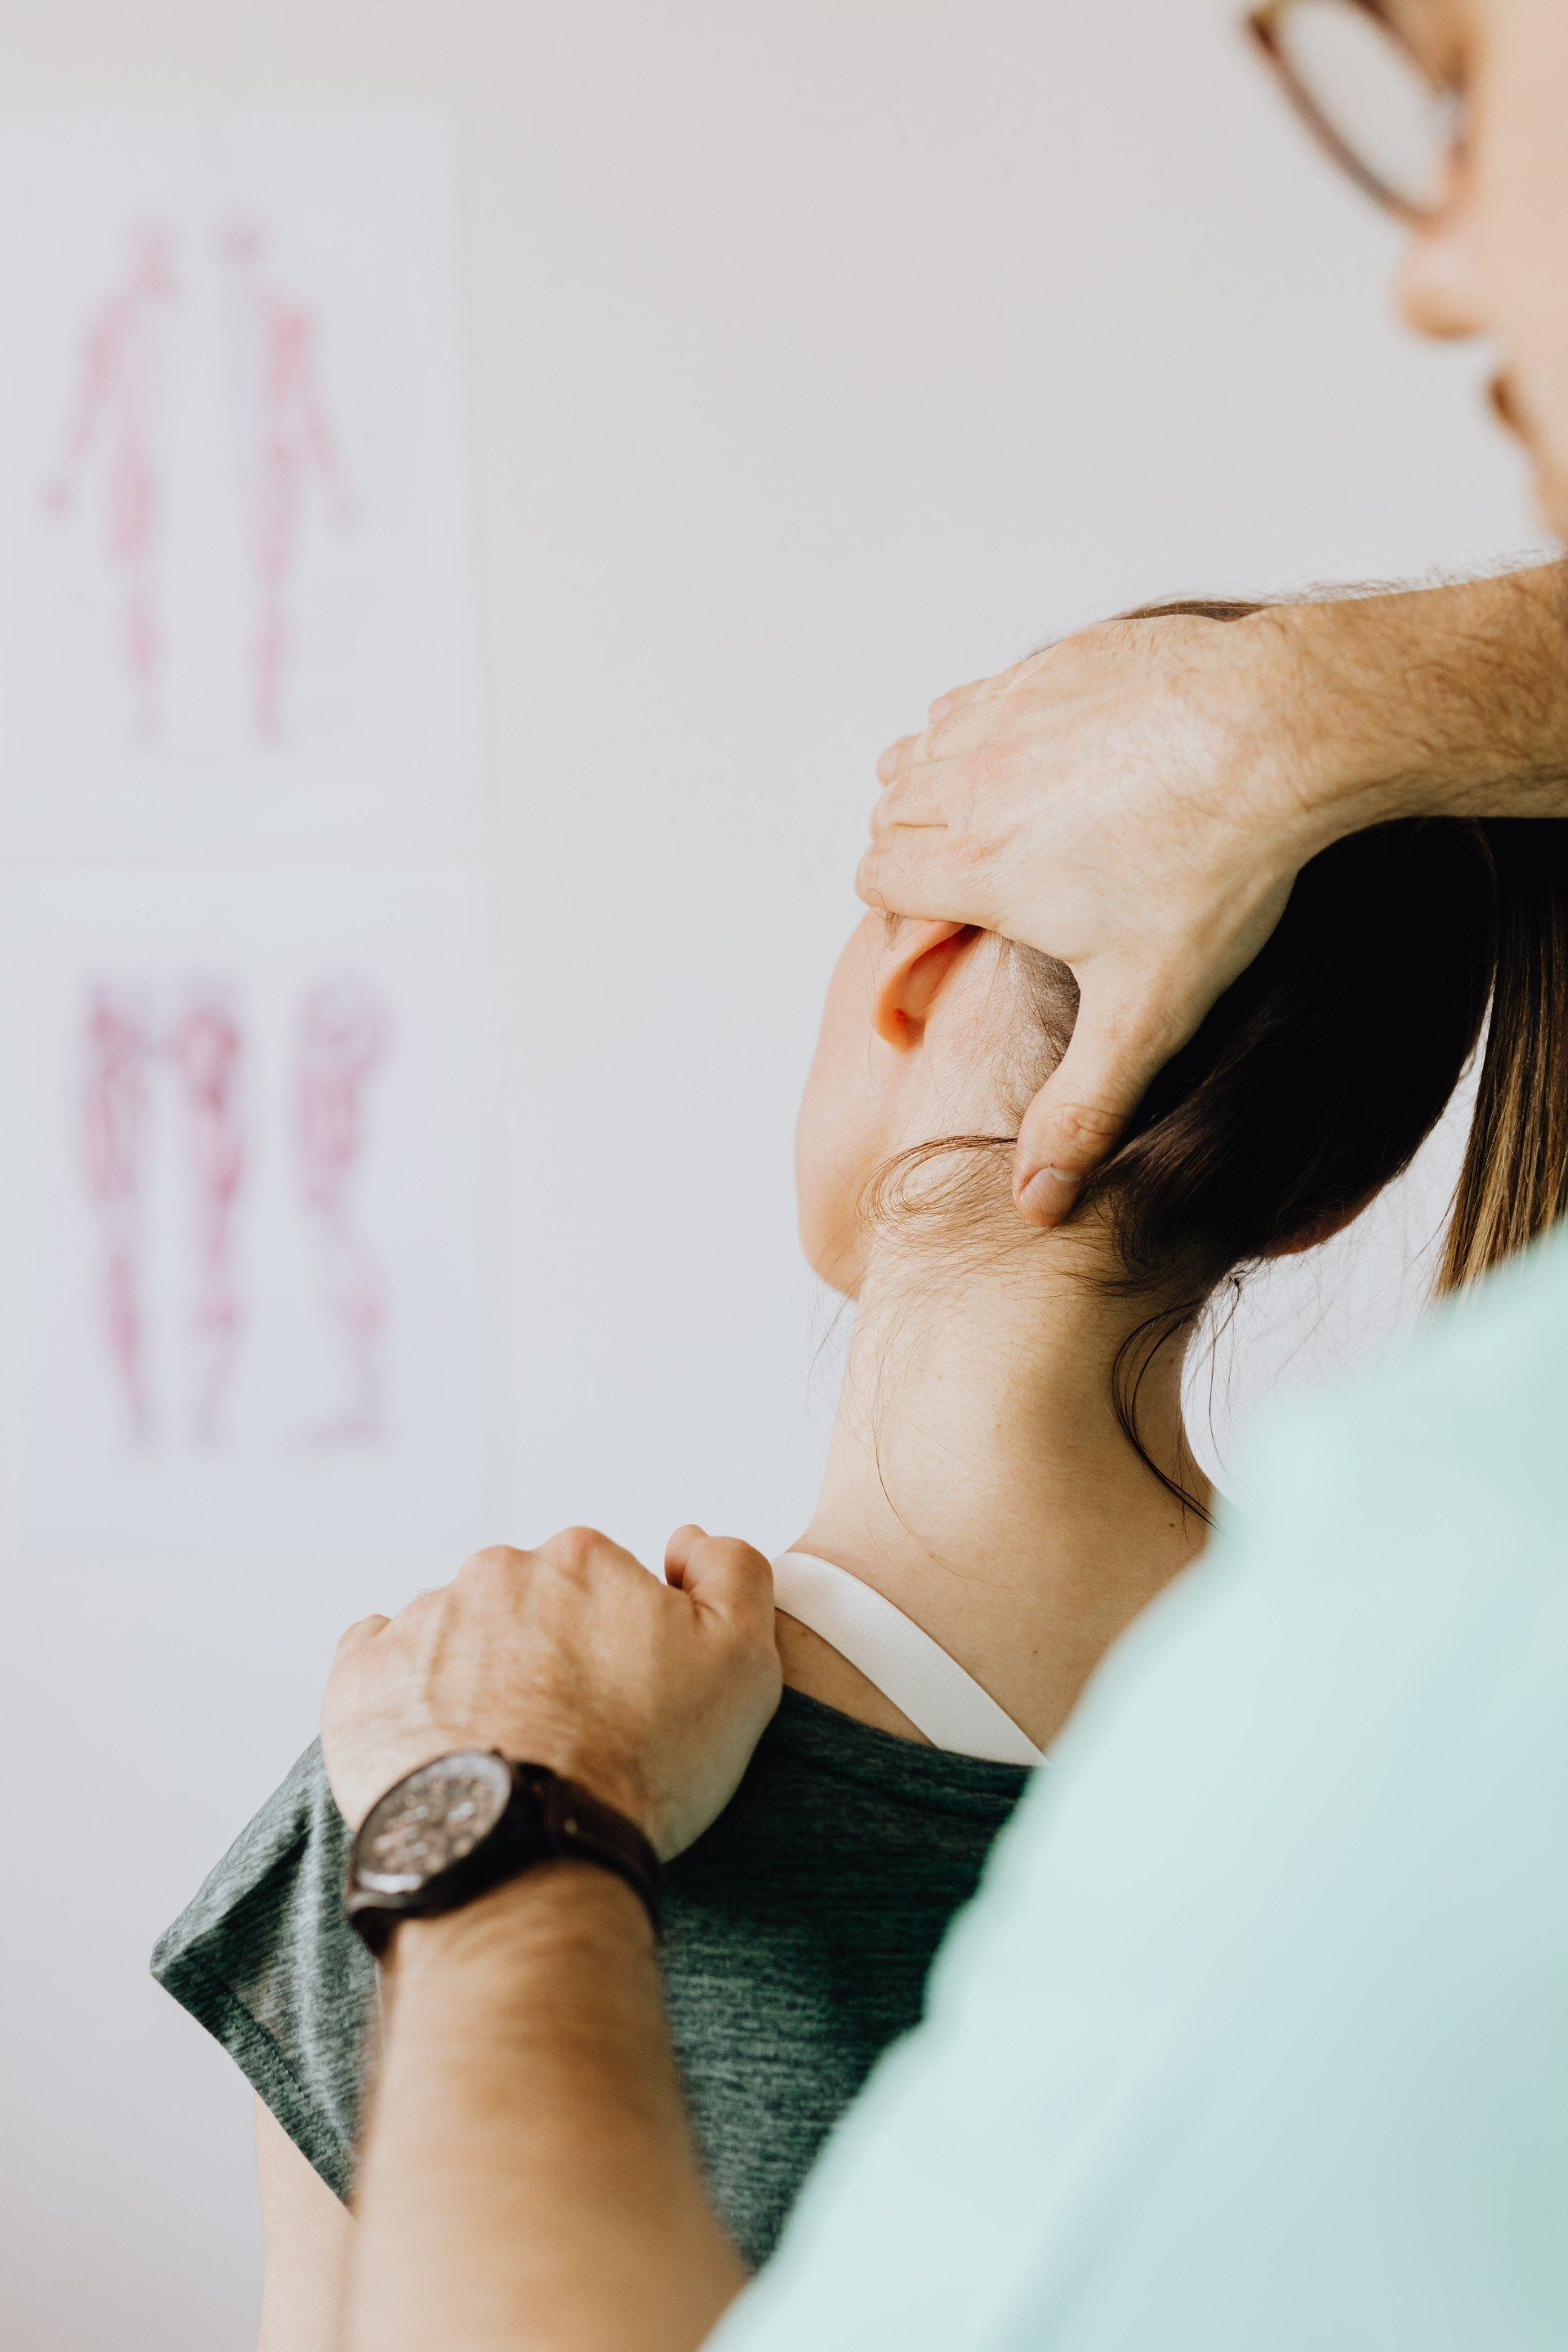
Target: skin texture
1128	806
306	2235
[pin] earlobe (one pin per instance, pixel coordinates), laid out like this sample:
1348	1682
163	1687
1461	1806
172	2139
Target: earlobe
919	959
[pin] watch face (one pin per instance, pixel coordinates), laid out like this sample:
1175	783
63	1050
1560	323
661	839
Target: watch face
432	1819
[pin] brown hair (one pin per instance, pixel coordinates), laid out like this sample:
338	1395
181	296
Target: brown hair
1320	1071
1513	1186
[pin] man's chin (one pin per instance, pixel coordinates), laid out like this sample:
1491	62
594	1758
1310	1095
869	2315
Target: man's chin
1516	416
1552	498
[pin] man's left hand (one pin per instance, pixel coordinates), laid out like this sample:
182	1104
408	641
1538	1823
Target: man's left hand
652	1694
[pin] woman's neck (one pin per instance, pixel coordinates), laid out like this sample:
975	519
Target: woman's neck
979	1478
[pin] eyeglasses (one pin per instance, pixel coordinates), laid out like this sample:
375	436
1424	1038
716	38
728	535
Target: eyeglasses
1366	96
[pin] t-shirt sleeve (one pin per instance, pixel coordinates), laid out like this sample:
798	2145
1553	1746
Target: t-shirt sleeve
264	1958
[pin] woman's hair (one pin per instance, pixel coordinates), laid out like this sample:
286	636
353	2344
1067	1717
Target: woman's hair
1320	1071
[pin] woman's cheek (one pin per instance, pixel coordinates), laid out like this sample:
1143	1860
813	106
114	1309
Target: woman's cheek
832	1164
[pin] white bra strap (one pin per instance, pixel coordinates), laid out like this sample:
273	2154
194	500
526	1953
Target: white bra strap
940	1697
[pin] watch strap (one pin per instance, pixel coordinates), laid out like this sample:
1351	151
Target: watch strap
547	1818
574	1821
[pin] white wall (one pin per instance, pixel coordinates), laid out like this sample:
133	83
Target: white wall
823	353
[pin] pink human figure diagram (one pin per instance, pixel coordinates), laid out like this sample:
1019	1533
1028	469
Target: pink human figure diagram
206	1050
198	1041
288	444
343	1037
116	432
114	1105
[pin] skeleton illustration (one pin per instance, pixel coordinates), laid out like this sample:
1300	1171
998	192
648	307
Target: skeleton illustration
288	444
132	1035
114	1135
205	1048
184	1041
116	432
343	1037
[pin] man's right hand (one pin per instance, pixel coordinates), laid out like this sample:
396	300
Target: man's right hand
1138	799
653	1694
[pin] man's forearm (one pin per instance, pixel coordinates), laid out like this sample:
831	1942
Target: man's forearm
1448	701
529	2179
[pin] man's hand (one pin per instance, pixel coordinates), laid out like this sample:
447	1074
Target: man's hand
1138	799
528	2176
652	1694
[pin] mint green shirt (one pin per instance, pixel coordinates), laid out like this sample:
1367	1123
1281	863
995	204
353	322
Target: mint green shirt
1256	2039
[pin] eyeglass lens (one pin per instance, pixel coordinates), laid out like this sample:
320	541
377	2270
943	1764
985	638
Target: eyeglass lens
1372	93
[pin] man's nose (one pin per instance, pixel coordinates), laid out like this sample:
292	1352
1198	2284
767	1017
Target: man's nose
1439	287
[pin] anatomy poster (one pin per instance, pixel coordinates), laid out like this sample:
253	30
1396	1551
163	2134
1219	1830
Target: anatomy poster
246	1143
235	605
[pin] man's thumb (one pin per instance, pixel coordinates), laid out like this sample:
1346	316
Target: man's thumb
1081	1114
364	1630
720	1574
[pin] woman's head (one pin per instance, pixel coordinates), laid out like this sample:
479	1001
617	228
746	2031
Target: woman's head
1313	1083
1310	1087
921	1031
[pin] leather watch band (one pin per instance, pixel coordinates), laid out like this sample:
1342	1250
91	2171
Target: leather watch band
577	1823
546	1817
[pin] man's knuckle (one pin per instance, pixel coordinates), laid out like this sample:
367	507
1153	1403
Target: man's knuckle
575	1550
1089	1123
492	1560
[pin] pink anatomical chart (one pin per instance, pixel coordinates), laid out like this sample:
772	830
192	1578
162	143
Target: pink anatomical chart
244	1009
164	1065
247	1145
134	1035
233	593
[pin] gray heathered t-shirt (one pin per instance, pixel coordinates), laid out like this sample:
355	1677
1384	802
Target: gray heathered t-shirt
798	1934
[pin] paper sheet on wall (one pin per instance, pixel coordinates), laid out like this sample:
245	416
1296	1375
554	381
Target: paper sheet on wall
245	1121
235	601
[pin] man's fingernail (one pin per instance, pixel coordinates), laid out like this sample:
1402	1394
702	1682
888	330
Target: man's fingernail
1049	1195
941	706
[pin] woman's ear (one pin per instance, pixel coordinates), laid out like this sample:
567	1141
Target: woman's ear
918	959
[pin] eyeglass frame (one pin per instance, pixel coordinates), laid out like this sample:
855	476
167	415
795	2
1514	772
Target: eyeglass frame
1263	24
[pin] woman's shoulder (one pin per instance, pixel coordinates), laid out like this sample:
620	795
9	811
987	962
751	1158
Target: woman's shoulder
847	1825
874	1836
811	1742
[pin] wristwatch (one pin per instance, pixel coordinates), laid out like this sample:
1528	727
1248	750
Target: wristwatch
455	1828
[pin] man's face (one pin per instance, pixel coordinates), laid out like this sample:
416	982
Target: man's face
1495	263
